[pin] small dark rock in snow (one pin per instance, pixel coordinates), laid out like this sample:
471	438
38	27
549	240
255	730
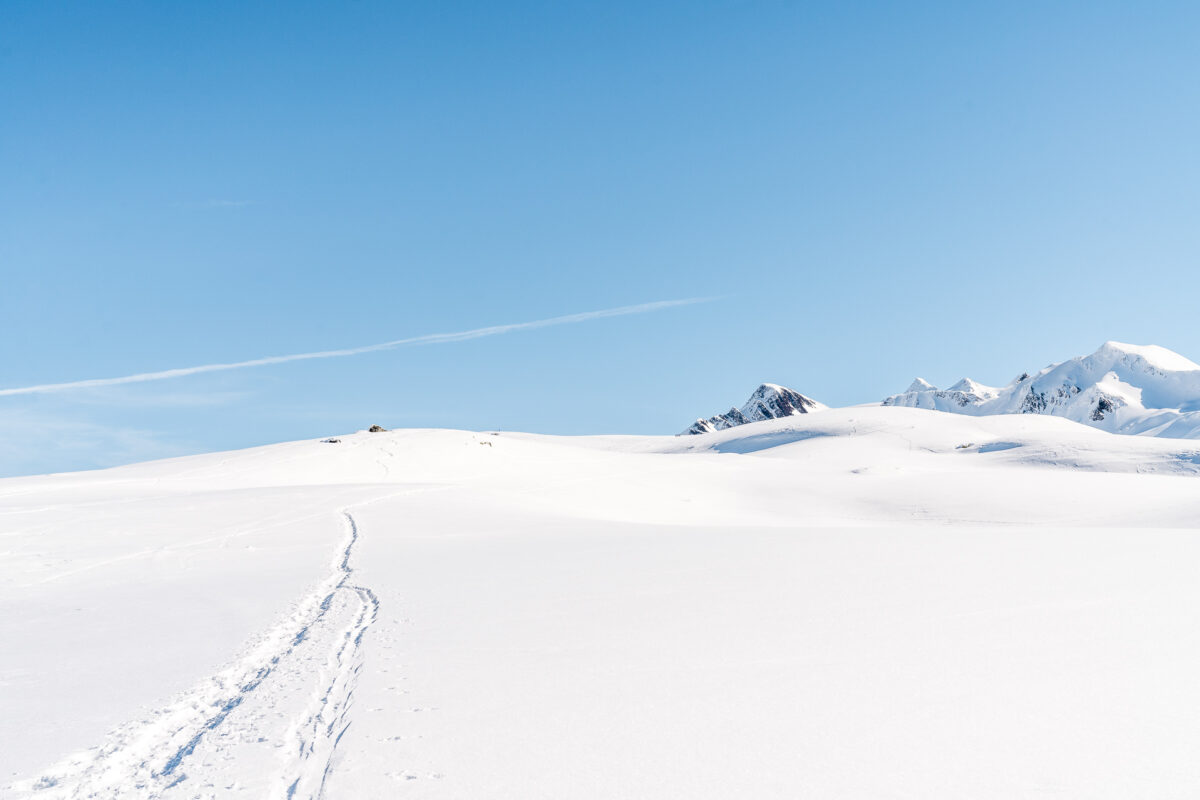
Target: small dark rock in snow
376	429
330	441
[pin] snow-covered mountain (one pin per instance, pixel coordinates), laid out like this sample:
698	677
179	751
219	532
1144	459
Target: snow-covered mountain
1120	388
769	401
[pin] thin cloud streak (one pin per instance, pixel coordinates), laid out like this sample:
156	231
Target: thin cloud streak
431	338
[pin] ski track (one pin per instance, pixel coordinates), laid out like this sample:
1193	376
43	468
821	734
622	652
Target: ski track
148	757
317	734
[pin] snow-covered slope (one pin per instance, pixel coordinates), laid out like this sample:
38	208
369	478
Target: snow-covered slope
769	401
865	602
1121	388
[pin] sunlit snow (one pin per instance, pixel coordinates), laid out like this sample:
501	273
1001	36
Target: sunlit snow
865	602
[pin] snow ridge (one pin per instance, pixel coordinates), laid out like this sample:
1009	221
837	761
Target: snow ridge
1121	388
768	401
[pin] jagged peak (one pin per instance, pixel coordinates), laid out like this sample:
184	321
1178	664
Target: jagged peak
968	386
920	385
768	401
774	389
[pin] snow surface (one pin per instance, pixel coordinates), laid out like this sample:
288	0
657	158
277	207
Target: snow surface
1121	388
865	602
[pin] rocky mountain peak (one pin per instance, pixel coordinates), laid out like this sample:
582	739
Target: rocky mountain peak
768	401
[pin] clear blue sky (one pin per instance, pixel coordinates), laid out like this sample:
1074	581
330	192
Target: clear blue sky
872	192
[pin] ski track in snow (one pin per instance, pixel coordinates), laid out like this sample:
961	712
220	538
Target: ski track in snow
317	735
148	757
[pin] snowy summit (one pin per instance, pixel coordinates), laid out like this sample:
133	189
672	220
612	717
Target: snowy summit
769	401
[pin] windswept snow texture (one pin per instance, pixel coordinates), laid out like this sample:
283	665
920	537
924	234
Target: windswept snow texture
867	602
769	401
1121	388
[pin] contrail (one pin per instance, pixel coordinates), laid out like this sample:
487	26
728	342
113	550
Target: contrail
430	338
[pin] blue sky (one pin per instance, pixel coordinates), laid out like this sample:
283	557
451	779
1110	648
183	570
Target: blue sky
870	192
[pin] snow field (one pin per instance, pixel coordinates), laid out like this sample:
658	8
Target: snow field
865	602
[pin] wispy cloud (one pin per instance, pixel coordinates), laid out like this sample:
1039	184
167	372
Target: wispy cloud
431	338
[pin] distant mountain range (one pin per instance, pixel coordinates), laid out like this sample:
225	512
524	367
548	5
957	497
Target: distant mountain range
1121	388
